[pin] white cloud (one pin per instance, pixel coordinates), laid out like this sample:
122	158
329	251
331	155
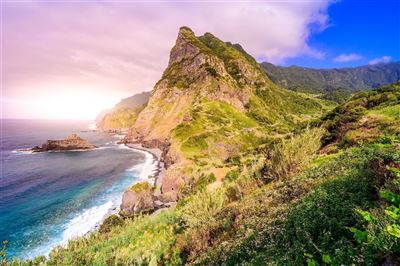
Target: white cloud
378	60
124	47
347	58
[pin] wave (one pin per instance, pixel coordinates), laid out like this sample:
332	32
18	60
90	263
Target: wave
146	169
87	221
91	218
92	126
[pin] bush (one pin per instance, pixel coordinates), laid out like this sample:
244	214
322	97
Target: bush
292	155
110	222
201	208
232	175
379	238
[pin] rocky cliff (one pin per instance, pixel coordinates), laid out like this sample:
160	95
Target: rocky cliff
211	86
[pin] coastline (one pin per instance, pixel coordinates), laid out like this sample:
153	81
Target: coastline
160	171
157	175
154	168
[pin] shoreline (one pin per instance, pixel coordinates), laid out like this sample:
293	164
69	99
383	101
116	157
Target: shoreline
160	171
157	174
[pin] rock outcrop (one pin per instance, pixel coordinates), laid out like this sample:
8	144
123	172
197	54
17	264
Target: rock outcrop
138	199
72	142
210	85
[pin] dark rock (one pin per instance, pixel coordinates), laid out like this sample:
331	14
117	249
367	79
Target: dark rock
72	142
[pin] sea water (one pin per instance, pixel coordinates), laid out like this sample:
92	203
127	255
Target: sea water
51	197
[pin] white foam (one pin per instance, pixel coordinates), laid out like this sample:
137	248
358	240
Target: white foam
91	218
80	225
92	126
85	222
147	168
119	136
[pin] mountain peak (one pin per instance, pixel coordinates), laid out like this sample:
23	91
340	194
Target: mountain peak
185	29
186	45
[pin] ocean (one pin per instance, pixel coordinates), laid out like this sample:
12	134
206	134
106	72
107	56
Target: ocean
51	197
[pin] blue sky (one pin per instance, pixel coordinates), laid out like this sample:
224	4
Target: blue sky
361	30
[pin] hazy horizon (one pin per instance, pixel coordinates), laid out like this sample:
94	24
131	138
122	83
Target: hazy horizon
59	64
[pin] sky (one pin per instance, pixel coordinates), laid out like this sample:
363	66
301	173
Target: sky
72	59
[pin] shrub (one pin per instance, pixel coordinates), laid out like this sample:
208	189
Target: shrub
201	208
292	155
232	175
204	180
110	222
379	238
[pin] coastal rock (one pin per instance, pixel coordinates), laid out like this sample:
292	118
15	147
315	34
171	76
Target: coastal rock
72	142
171	185
138	199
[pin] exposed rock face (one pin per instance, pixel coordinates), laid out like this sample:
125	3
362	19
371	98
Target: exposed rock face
225	83
193	72
72	142
138	199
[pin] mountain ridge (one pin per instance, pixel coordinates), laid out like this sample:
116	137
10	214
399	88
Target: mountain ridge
319	80
208	78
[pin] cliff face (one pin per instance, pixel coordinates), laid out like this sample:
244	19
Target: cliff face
212	102
193	72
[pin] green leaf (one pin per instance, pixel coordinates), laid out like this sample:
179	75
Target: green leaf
393	212
326	259
366	215
394	170
311	262
359	236
390	197
393	230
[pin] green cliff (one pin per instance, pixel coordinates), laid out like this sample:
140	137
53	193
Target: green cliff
262	175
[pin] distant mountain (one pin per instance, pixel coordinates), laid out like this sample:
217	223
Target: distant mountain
320	80
124	113
134	101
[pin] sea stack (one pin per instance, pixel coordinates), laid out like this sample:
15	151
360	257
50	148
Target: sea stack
72	142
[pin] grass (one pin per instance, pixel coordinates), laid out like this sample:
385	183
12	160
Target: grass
214	129
120	118
144	240
270	225
141	187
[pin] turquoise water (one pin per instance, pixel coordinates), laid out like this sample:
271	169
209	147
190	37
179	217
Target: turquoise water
48	198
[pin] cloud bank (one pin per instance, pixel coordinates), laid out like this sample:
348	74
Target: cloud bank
343	58
379	60
113	50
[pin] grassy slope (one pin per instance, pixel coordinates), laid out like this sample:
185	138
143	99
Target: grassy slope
120	118
308	214
366	117
254	214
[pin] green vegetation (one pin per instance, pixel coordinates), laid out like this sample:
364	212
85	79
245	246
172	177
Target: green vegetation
293	154
120	118
321	80
141	186
366	117
272	177
214	127
271	226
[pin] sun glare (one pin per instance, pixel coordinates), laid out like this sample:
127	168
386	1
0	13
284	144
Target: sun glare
69	103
